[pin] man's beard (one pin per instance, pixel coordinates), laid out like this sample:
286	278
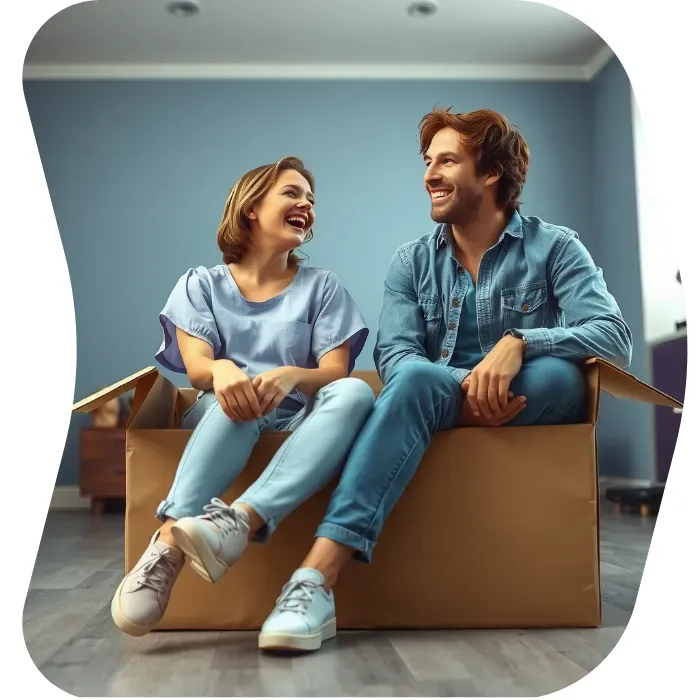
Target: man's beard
463	208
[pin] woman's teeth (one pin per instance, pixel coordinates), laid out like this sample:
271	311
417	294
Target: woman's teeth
296	221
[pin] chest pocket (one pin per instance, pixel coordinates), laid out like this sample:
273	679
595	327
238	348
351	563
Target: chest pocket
432	314
525	306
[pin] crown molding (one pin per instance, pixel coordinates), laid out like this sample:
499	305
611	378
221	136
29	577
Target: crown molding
599	60
243	71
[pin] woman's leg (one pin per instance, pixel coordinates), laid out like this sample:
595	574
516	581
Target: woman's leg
215	455
322	435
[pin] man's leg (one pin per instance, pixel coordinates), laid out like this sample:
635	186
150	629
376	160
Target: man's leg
421	396
418	400
555	391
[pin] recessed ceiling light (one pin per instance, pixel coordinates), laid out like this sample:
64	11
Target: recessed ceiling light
423	8
184	8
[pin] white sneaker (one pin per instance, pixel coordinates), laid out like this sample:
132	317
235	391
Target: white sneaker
304	615
214	541
143	595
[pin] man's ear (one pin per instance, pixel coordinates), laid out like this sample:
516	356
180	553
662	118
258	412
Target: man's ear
494	176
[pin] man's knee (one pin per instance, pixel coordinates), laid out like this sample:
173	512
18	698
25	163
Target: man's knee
554	374
558	386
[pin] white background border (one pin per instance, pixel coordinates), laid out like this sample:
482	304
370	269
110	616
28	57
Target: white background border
657	44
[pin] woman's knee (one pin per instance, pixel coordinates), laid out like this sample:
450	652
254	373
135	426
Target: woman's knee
356	395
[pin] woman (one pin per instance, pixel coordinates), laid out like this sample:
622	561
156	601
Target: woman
270	344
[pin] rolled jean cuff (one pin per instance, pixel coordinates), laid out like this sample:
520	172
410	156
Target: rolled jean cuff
166	510
362	546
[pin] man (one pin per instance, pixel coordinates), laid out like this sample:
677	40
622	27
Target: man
485	321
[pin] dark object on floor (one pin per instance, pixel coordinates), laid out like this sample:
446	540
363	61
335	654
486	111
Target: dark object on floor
645	500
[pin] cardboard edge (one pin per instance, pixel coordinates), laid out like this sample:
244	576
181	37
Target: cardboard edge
612	377
99	398
599	582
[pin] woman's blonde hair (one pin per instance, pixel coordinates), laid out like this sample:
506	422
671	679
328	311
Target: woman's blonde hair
235	234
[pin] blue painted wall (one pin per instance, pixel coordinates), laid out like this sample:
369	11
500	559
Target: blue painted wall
138	173
625	428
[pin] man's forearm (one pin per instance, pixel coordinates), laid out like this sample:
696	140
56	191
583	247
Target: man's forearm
610	341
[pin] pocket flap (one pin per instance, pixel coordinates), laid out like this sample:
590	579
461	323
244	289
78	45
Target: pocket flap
430	306
525	299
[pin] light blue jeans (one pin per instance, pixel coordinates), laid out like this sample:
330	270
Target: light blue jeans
420	399
218	450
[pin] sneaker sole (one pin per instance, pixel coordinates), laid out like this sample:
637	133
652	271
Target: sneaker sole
123	622
275	641
202	559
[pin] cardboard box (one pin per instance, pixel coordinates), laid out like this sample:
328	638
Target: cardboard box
498	529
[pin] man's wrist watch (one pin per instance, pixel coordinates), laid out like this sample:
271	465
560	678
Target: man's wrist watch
519	335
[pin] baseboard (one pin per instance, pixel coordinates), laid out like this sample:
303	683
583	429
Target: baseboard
68	498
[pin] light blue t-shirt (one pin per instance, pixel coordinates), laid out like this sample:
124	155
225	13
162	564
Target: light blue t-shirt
312	316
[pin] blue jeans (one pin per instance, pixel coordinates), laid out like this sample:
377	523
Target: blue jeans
419	399
216	453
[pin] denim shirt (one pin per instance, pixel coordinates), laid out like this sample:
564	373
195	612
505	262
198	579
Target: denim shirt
538	279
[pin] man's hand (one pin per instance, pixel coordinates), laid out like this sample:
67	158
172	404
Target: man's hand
515	405
488	384
273	386
234	391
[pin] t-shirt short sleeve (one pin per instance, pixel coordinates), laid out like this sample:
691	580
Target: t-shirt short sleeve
339	320
189	307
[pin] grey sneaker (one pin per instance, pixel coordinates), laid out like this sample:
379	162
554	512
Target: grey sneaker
213	541
143	595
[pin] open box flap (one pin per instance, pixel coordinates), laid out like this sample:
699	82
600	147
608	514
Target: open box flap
622	385
101	397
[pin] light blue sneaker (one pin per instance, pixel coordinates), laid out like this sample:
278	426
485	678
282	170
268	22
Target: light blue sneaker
304	615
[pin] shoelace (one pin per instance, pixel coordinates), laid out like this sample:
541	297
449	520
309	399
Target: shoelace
225	517
157	572
296	596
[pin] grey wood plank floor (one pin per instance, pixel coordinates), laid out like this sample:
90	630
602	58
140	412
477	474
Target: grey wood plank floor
72	640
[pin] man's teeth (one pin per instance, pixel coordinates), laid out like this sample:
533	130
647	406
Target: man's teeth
439	194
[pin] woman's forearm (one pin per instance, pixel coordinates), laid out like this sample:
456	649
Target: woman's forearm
200	372
309	381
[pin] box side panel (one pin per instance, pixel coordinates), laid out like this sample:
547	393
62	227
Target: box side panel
503	521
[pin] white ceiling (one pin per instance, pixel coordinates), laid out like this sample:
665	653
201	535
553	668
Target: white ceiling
468	38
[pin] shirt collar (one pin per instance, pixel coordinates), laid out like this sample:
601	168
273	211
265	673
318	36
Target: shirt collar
514	228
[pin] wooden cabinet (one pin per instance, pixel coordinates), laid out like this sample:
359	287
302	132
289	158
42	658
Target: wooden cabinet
102	465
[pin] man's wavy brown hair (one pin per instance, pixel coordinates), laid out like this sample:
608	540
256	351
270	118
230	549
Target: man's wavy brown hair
497	147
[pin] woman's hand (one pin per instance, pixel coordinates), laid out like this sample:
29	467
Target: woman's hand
234	391
273	386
